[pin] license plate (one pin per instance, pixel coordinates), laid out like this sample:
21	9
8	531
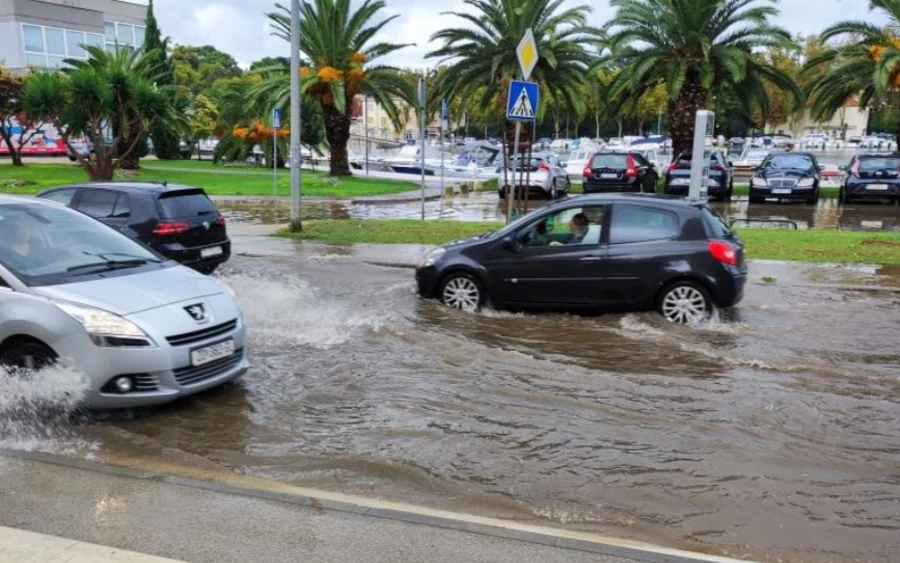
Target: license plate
212	353
781	191
210	252
877	187
608	176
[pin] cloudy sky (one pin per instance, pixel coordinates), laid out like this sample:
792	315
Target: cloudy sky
239	27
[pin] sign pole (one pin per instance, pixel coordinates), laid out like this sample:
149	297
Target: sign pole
276	125
444	119
703	125
510	196
422	137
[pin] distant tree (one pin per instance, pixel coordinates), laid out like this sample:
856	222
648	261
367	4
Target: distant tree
201	119
165	141
107	95
269	62
866	66
12	110
199	67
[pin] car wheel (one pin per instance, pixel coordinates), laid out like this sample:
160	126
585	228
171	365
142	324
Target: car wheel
502	193
843	197
756	199
814	199
462	291
553	191
685	302
27	355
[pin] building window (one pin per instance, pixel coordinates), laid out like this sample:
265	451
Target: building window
56	45
34	38
48	47
139	35
124	35
111	31
74	42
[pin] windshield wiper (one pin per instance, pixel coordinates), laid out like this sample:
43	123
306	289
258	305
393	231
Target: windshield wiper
110	265
134	257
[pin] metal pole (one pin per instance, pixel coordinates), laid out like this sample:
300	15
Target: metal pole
441	208
296	225
366	119
510	196
422	137
274	163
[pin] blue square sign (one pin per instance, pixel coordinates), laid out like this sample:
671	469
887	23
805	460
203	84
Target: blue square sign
522	103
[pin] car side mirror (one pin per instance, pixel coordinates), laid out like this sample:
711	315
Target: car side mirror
510	243
730	164
821	169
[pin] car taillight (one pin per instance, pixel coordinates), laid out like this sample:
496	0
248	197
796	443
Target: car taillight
588	171
220	221
169	229
632	171
723	252
855	168
543	166
673	167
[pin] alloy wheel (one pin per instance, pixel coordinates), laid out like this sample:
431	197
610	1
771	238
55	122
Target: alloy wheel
685	304
462	293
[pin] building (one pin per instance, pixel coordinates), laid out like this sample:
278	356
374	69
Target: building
43	33
380	126
849	121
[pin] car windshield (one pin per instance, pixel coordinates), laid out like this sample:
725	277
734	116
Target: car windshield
616	161
793	161
47	244
878	164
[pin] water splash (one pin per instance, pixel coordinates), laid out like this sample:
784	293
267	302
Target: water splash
36	409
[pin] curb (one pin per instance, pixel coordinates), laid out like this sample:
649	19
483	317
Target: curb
235	484
23	546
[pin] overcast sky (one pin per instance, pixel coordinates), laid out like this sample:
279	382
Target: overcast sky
240	28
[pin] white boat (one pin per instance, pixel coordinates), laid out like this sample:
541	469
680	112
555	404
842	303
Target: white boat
750	159
580	157
615	142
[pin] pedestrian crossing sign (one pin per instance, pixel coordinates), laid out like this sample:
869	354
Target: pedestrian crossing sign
522	103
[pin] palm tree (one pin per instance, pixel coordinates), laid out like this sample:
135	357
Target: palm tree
483	59
697	48
867	66
121	67
338	41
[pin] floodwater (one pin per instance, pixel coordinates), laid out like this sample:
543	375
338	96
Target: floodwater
773	433
481	206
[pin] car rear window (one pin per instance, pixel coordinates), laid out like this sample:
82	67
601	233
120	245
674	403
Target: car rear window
716	227
616	161
875	164
187	203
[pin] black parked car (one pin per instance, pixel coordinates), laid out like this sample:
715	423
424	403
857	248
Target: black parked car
787	175
872	176
611	252
619	172
179	222
721	176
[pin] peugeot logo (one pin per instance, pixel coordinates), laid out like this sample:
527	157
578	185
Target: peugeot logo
206	225
197	312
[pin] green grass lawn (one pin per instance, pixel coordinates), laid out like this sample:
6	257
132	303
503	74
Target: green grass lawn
805	246
216	180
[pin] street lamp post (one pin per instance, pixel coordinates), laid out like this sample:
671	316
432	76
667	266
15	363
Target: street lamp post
296	159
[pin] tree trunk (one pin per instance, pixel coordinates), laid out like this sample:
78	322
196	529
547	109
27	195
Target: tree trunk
683	112
15	153
597	120
337	131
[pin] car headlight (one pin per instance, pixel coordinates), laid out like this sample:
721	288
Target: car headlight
432	257
806	183
759	182
101	324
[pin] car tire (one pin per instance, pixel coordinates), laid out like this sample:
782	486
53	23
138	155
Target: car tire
463	291
814	200
685	302
757	199
28	355
502	193
843	197
553	191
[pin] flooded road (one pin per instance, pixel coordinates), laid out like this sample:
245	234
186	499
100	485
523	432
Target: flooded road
481	206
772	434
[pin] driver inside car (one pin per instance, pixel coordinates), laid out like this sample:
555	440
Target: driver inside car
578	229
21	244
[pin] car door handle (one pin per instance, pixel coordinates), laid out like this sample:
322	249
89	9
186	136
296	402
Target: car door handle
592	259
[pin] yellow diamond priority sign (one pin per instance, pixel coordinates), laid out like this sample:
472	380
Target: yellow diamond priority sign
528	54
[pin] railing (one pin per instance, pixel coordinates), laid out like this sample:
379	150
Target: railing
750	221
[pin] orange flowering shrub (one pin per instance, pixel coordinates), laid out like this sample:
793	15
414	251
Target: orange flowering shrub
358	58
330	74
305	72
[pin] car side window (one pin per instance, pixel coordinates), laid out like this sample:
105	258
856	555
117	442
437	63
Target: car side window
642	224
98	203
61	196
123	207
573	226
3	283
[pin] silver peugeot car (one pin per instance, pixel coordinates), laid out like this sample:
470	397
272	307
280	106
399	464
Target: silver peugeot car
143	330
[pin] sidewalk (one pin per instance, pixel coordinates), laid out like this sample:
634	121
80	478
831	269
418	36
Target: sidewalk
222	517
18	546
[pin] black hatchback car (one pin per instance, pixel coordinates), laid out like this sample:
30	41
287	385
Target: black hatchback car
787	175
609	252
179	222
619	172
872	176
721	176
